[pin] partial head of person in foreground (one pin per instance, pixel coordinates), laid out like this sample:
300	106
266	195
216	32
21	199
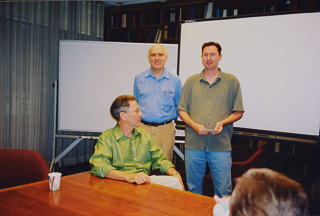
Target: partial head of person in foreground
266	192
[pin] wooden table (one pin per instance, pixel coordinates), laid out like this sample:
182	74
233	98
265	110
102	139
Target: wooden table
83	194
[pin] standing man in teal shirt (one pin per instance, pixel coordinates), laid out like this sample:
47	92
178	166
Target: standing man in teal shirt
209	105
127	152
158	93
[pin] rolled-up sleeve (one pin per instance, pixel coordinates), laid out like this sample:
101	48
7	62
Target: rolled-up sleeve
158	159
100	160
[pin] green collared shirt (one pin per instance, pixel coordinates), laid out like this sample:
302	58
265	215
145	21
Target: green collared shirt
134	154
207	104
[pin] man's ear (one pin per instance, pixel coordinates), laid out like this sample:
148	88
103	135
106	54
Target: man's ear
123	115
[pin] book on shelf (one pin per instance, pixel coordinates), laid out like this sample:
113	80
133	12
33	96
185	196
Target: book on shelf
121	36
192	11
314	190
128	36
124	20
285	148
171	32
282	165
235	12
209	10
224	13
172	17
217	14
165	35
291	149
253	143
141	18
188	13
153	35
111	21
158	36
133	20
237	141
205	11
276	147
305	151
172	14
307	170
142	36
115	20
132	36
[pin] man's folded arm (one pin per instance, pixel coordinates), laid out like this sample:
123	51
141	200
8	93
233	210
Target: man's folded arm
138	178
100	165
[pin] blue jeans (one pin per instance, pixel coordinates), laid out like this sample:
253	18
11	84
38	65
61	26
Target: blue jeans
220	168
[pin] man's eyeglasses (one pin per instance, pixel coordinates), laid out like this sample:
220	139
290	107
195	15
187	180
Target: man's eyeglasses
136	111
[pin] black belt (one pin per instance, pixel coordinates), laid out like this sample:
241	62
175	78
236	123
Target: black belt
155	124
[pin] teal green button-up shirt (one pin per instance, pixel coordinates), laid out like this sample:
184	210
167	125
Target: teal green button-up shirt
134	154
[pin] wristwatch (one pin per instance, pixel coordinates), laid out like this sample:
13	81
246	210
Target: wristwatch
175	172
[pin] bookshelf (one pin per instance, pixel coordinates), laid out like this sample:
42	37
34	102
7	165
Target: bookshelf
160	21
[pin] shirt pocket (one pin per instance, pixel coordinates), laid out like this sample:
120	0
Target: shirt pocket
143	153
168	98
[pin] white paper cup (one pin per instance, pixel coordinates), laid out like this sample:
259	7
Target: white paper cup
220	210
54	180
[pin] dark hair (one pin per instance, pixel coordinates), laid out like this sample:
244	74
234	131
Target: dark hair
120	104
266	192
212	44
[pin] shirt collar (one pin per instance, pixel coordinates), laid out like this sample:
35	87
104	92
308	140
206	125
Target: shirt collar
119	134
165	74
203	78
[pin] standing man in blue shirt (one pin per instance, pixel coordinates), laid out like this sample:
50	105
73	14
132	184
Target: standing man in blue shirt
158	93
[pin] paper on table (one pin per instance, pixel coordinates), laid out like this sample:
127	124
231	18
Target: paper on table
168	181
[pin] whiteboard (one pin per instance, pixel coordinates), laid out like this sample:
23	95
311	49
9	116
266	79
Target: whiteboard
277	61
92	74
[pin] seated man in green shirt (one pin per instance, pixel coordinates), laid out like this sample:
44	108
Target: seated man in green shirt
127	152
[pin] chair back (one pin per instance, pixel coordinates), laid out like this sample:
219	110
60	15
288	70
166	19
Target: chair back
257	160
19	167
